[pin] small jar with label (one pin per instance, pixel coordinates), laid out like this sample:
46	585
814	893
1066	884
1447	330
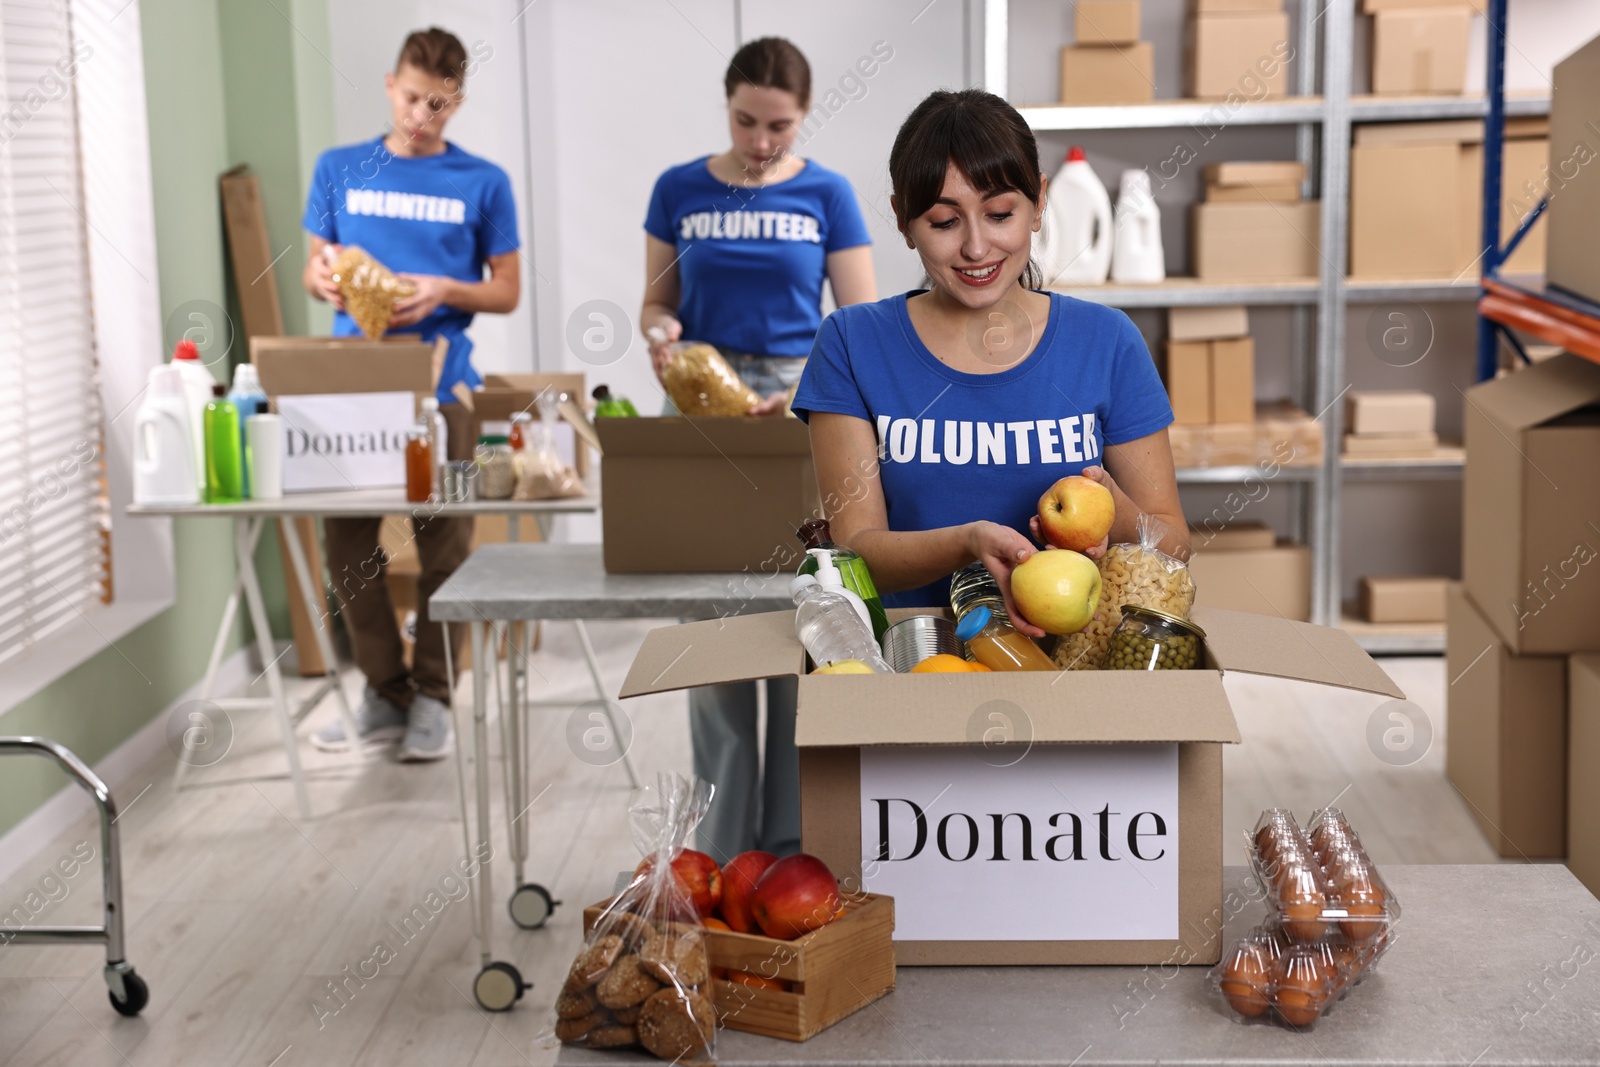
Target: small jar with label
1151	640
497	467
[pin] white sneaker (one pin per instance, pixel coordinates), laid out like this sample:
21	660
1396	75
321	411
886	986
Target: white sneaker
380	721
430	734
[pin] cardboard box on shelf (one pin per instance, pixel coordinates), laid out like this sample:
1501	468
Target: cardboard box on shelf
1287	435
1238	53
1106	21
1127	741
1233	379
1227	536
1232	444
1274	581
1508	734
1282	435
1205	323
1408	599
1420	50
1275	192
1233	7
1573	218
661	479
1254	172
1256	242
1108	74
1531	506
1372	7
1583	756
1188	376
1391	411
1391	445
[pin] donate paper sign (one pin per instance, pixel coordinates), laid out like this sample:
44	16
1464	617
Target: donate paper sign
1069	843
345	440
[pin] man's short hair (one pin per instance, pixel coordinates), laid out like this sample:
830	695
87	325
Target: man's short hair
437	52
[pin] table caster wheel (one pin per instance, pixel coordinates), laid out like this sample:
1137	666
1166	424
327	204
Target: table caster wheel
135	994
531	905
498	986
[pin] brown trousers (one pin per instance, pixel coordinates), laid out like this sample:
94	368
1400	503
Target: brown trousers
357	566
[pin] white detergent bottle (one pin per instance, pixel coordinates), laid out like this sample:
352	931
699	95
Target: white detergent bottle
1079	217
197	383
163	458
1136	253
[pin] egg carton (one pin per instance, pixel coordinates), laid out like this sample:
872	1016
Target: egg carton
1269	977
1320	884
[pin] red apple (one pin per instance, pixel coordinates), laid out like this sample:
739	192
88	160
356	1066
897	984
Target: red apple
796	895
698	875
739	877
1076	513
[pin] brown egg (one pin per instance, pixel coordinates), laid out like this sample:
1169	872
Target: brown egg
1244	980
1358	890
1346	962
1302	987
1302	901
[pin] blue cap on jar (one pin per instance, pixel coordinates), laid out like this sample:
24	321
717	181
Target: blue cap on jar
973	623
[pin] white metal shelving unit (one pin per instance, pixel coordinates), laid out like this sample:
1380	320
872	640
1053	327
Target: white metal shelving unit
1321	112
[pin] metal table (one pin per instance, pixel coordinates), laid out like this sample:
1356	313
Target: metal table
504	584
249	519
1493	964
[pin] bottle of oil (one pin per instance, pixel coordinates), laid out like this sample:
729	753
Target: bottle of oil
815	534
982	622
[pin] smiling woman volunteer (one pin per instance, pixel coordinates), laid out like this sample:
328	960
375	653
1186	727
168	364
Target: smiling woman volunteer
737	247
980	391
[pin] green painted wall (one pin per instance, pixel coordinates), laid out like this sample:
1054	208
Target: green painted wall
200	57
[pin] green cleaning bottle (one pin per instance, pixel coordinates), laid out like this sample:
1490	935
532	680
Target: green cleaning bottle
852	569
608	406
224	455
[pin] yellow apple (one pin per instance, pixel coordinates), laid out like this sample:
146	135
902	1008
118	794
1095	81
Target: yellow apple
1076	513
846	666
1057	590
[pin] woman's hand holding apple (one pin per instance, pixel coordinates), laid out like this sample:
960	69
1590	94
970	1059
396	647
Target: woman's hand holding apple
1001	549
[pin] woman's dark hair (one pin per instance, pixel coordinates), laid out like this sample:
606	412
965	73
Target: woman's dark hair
770	63
982	135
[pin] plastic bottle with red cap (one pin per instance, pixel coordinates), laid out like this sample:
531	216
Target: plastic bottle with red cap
197	383
1073	247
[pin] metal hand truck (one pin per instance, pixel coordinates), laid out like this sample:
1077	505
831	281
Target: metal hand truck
127	990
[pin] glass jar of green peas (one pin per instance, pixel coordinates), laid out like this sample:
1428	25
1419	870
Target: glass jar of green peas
1151	640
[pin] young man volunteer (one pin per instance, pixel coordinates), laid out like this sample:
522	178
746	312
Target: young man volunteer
437	217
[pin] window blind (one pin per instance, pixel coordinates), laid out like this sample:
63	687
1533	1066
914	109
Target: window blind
54	510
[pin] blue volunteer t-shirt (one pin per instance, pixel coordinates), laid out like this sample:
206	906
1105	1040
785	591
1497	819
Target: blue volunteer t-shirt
444	215
955	447
751	262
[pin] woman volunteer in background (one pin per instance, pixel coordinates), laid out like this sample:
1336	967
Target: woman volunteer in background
980	391
737	247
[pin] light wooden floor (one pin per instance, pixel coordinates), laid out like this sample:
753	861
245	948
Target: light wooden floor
239	912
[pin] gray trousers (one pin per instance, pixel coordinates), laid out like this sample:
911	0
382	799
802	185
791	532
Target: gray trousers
757	800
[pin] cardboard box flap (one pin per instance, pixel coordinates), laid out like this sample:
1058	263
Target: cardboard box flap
1278	648
662	437
1539	394
1086	707
737	649
291	366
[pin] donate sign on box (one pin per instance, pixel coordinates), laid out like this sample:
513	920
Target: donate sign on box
345	440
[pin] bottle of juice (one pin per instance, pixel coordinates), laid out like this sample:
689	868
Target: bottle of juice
419	462
520	435
998	646
608	406
224	452
852	568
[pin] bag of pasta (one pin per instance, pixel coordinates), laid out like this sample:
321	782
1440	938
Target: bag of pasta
541	474
643	976
369	289
1139	574
700	382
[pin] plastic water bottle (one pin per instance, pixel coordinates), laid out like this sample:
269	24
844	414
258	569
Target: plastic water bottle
1136	252
1074	245
248	398
832	622
438	442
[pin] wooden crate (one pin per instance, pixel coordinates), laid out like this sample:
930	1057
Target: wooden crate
832	972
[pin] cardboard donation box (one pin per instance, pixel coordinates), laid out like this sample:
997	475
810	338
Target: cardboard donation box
1082	808
1508	735
346	405
681	495
1583	756
504	395
1531	506
1573	222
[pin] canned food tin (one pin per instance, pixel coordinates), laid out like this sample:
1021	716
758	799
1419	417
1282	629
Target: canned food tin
460	481
910	641
1151	640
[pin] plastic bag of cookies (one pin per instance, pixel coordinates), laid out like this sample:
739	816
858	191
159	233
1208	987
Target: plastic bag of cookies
369	289
1139	574
643	977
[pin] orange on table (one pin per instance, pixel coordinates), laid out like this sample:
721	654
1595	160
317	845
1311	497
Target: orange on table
942	663
711	922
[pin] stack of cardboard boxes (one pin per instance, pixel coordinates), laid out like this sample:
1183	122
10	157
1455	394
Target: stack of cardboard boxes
1572	179
1523	629
1238	49
1253	225
1416	196
1241	566
1108	64
1389	425
1420	46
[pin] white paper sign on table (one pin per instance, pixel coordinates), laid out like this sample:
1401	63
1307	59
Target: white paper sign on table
1088	845
345	440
